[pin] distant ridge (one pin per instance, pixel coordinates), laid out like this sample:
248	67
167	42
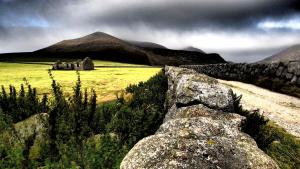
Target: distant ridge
193	49
103	46
289	54
146	44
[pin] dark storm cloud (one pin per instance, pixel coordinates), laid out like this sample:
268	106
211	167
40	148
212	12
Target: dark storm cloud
235	28
168	14
188	15
22	12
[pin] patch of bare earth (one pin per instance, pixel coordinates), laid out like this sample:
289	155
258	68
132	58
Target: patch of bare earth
282	109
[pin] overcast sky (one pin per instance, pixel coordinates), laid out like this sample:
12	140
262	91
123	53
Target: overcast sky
239	30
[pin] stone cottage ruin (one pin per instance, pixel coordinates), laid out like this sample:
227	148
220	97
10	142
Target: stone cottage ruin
85	64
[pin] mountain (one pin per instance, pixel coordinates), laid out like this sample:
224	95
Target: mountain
164	56
289	54
102	46
193	49
98	45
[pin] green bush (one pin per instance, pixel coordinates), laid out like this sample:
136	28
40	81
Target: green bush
23	104
144	113
79	132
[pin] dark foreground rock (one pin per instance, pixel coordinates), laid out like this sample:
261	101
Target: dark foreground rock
198	132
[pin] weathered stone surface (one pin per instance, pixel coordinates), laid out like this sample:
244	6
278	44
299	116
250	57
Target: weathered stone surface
284	72
294	67
172	81
289	76
34	124
189	87
298	81
279	71
188	148
191	111
196	136
294	79
225	125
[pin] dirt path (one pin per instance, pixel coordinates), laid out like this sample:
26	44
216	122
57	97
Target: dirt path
283	109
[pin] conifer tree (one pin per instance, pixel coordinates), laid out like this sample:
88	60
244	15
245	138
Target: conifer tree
4	100
43	104
92	111
59	108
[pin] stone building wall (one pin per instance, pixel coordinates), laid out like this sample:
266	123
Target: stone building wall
288	72
86	64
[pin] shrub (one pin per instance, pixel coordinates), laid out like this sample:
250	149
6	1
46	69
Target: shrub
19	106
144	113
74	121
283	147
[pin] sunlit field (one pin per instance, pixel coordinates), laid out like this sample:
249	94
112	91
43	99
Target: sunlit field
106	81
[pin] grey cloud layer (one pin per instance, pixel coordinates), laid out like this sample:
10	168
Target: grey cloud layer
26	25
162	14
195	14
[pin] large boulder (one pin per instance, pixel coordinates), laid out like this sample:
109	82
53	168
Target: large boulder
34	127
187	87
34	124
199	135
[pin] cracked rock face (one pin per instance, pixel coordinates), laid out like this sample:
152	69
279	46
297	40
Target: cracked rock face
188	88
199	135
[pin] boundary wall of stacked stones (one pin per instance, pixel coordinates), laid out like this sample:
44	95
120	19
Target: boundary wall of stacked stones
288	71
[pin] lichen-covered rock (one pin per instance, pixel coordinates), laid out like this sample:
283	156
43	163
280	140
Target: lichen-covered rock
183	151
172	73
187	87
294	67
191	111
200	136
34	124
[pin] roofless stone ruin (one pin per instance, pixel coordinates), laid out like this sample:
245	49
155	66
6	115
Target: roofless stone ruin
85	64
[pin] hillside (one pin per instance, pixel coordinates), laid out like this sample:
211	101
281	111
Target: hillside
289	54
102	46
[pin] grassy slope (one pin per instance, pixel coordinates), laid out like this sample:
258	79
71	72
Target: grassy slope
106	81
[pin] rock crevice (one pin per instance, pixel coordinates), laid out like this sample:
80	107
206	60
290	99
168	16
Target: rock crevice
201	133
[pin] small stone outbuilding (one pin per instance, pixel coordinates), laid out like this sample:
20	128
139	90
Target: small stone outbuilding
85	64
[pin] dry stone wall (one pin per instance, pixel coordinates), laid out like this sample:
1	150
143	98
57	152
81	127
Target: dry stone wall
288	72
199	130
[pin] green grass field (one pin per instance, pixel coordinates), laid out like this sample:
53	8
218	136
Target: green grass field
106	81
